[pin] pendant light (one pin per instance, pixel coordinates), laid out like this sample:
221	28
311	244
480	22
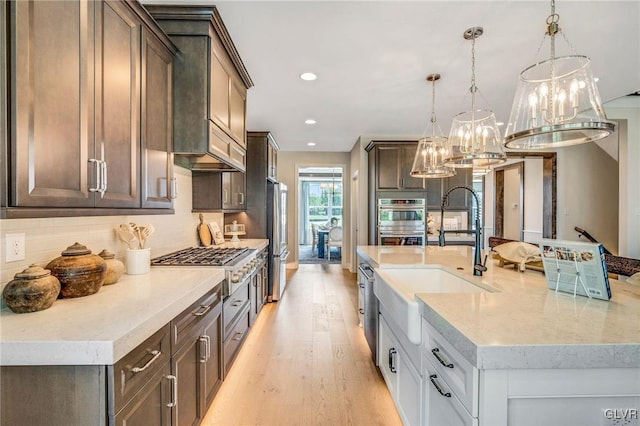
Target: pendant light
557	101
431	151
474	138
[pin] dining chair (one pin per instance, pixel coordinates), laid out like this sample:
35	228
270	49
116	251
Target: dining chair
314	237
335	240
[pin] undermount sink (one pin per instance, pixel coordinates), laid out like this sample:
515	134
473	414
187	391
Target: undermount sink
396	289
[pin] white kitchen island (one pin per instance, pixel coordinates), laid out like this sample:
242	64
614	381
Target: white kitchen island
512	353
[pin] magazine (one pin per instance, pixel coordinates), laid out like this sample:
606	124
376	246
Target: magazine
576	267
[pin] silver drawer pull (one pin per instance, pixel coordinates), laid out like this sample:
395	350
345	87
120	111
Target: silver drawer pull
204	358
236	303
156	355
433	378
436	353
203	310
238	335
174	393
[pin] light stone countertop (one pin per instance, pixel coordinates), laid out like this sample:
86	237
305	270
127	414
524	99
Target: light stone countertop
522	324
100	329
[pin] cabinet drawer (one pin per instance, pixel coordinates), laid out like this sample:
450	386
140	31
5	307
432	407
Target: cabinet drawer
133	371
442	406
233	305
183	325
461	376
235	339
238	156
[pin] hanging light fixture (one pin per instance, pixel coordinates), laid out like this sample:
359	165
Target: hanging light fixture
431	151
557	101
474	138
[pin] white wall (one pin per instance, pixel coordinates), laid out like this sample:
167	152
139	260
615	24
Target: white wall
627	109
47	237
288	164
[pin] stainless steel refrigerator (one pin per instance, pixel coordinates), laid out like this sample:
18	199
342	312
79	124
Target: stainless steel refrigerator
277	234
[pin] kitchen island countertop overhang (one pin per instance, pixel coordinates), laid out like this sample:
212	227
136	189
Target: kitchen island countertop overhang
521	324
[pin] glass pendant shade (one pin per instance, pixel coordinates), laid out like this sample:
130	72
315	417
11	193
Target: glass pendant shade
432	150
474	138
556	102
429	159
559	108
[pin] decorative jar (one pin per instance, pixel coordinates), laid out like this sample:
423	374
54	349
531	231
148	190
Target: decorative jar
31	290
115	267
80	272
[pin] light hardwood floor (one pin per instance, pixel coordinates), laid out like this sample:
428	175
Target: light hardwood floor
306	361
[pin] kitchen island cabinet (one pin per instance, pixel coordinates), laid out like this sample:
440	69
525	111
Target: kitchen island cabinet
104	160
517	353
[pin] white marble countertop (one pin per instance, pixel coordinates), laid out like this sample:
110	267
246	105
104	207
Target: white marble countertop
101	328
522	324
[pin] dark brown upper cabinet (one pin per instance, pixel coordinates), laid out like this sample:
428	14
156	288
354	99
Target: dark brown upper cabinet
88	84
210	89
393	163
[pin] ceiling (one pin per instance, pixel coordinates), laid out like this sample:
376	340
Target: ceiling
372	58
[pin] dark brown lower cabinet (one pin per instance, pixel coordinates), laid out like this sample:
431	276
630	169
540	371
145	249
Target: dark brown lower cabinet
169	379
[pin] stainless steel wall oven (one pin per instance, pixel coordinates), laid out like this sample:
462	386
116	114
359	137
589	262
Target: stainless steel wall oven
401	221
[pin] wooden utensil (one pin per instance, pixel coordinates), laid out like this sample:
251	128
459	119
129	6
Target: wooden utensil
145	232
125	234
203	232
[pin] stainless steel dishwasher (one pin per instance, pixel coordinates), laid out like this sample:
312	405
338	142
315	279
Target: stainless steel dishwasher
370	308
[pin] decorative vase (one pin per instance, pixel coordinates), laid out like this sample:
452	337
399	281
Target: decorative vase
31	290
80	272
138	261
115	268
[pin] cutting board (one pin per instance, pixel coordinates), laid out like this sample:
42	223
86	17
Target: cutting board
203	232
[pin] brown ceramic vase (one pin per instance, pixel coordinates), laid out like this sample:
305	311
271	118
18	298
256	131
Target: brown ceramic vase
80	272
31	290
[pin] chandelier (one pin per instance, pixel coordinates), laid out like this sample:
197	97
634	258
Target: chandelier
474	138
557	101
431	151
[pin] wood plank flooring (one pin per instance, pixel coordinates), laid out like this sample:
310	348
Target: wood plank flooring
306	361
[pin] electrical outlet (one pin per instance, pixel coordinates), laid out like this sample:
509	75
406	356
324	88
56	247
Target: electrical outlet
14	247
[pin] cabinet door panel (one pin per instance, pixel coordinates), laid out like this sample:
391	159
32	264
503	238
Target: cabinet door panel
459	198
53	92
157	125
388	163
219	97
118	104
406	180
213	366
184	365
237	108
149	406
387	356
434	194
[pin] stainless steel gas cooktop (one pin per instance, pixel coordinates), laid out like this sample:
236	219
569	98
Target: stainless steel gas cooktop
202	256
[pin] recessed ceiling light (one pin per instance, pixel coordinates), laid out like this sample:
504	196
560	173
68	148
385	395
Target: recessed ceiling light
596	79
311	144
310	121
308	76
499	123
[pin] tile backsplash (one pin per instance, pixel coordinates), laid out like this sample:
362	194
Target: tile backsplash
46	238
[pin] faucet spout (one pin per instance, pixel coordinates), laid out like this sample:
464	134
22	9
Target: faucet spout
478	266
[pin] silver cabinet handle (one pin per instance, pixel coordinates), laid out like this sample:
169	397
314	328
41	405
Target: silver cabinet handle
103	171
156	354
392	360
203	310
238	336
208	339
240	197
236	303
203	339
174	188
98	186
433	378
174	391
225	196
436	353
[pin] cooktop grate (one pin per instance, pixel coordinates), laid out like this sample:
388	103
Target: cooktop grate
193	256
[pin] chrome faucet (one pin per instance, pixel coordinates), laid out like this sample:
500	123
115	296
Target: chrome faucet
478	265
